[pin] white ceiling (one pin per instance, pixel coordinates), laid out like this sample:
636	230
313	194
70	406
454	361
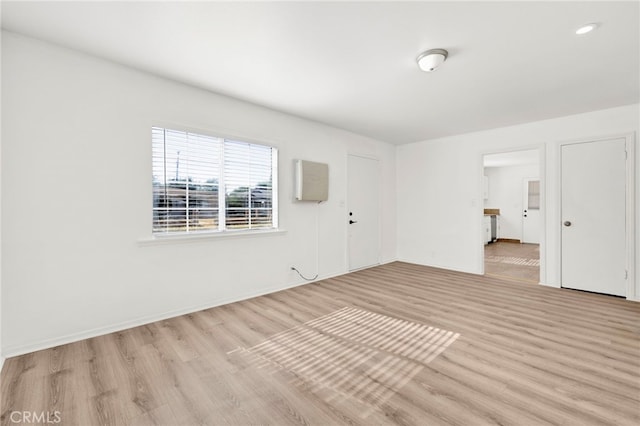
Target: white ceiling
514	158
352	65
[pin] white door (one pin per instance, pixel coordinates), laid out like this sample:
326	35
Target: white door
531	211
593	196
363	212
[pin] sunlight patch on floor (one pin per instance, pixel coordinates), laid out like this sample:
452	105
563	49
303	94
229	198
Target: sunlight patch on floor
353	353
511	260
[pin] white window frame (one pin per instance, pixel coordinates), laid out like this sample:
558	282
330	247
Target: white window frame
222	229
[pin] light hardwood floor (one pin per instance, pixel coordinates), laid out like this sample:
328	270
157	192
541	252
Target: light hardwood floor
521	262
396	344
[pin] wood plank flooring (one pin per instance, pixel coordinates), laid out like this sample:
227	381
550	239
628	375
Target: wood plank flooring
520	262
398	344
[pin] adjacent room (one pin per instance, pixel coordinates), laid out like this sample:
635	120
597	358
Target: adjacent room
511	192
319	213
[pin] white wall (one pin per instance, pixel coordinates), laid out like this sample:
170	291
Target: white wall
506	186
440	187
76	199
1	351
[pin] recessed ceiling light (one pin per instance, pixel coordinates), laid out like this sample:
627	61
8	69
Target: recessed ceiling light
586	28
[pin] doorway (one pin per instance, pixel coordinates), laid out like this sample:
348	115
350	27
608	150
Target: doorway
513	202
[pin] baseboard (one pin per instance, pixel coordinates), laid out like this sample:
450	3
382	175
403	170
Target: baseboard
1	363
443	267
11	351
508	240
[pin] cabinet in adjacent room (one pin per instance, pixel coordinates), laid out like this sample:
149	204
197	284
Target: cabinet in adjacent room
486	226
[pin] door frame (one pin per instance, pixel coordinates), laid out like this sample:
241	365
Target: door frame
379	230
630	210
541	148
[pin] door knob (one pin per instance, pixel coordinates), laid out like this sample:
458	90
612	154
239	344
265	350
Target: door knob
567	223
351	222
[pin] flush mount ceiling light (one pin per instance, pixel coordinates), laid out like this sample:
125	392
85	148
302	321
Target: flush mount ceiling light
586	28
431	59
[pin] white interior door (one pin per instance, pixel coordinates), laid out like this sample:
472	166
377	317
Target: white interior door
593	197
363	212
531	211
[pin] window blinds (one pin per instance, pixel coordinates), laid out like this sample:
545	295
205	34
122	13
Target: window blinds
206	183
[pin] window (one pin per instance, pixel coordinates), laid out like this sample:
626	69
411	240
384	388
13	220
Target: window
207	183
533	195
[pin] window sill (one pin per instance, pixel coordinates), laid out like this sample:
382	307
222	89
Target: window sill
206	236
